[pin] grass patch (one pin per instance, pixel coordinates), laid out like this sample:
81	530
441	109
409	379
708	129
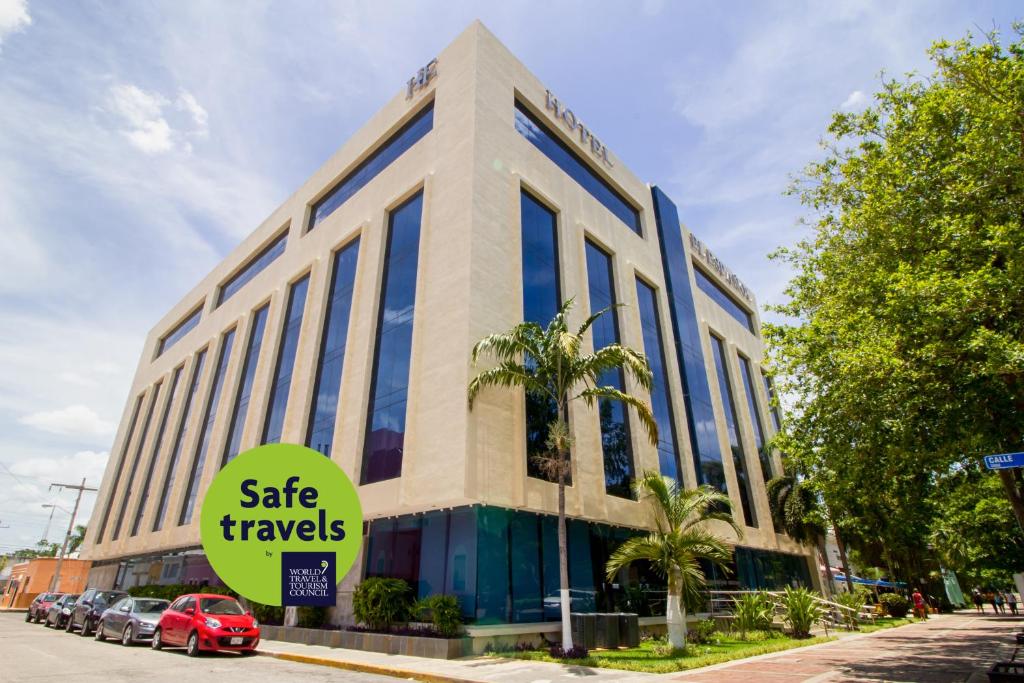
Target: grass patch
653	657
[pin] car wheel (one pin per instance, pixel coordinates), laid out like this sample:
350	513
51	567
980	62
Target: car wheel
86	631
127	638
69	626
100	635
157	642
192	647
28	616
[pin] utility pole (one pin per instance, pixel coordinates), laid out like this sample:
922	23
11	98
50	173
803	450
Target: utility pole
81	488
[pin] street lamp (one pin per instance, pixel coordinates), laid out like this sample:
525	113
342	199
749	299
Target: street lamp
46	534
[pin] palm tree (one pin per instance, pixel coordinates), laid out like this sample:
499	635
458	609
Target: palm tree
76	538
796	510
678	543
550	365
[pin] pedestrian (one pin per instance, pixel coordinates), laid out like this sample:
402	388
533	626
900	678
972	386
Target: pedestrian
990	598
920	607
979	604
999	602
1011	598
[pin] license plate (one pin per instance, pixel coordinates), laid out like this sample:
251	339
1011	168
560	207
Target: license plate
236	641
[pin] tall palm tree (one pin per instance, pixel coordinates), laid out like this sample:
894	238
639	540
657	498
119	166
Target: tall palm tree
550	365
678	543
796	510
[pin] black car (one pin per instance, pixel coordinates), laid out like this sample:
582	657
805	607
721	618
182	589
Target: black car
58	613
89	607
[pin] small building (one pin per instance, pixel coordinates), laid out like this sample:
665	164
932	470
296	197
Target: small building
32	577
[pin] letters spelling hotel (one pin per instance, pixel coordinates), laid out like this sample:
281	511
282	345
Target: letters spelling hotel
473	200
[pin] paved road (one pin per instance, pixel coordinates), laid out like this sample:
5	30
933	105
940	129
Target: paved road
30	652
947	649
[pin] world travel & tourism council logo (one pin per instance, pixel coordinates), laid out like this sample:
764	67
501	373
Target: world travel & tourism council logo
308	579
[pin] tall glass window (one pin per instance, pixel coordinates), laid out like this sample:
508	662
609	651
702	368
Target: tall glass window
241	408
767	471
155	451
273	426
206	429
773	407
723	299
120	467
179	441
327	385
739	459
180	330
253	268
391	149
385	432
531	128
542	297
130	483
615	441
661	405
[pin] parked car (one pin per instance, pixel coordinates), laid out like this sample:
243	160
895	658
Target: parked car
89	607
203	621
40	604
58	613
131	619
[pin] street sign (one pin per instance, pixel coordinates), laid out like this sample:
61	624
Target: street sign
1005	461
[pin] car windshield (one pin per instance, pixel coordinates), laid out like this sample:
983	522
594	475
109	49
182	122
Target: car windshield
50	597
150	605
70	599
106	597
220	606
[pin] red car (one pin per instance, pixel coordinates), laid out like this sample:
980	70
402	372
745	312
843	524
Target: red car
37	610
203	621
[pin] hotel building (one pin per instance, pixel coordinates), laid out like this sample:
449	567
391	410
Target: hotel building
473	200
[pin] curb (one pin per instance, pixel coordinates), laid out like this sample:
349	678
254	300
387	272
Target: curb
367	668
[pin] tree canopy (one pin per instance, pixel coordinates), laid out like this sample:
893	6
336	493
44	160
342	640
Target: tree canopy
902	346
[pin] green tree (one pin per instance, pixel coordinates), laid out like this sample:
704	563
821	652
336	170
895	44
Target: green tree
902	345
550	364
795	510
678	544
76	538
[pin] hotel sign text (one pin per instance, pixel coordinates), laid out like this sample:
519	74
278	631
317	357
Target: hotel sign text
705	255
421	79
587	139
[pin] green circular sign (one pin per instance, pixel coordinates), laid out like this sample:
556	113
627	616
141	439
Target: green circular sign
282	524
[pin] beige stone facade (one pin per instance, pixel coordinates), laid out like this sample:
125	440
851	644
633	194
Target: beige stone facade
471	168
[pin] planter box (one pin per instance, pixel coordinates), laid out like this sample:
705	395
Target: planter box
434	648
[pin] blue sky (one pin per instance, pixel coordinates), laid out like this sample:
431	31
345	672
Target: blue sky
139	142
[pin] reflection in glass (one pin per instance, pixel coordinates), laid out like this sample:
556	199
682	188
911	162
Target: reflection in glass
661	405
183	328
755	417
385	433
735	443
253	268
277	404
241	409
724	299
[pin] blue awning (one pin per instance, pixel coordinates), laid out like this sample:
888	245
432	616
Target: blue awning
871	582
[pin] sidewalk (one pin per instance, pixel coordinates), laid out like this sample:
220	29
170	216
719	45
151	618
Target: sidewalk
947	648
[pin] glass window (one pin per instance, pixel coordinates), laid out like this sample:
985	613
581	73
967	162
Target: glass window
327	383
773	403
615	441
179	441
700	415
120	467
735	443
155	451
253	268
180	330
542	298
241	408
126	490
273	426
661	404
206	428
385	432
767	470
531	128
724	299
391	149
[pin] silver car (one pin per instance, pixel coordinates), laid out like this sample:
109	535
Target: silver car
131	619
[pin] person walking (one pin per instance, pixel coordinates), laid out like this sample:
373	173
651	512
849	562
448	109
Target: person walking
1011	599
990	598
1000	602
920	607
979	603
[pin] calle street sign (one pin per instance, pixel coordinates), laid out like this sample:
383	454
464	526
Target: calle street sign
1005	461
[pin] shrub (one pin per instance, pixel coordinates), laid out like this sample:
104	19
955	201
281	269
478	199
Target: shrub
380	602
443	611
575	652
752	612
895	605
855	601
310	617
702	632
801	611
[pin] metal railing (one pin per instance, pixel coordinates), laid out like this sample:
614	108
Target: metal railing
833	615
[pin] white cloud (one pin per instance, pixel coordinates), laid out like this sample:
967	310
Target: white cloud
72	468
76	420
855	100
14	17
146	115
187	102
